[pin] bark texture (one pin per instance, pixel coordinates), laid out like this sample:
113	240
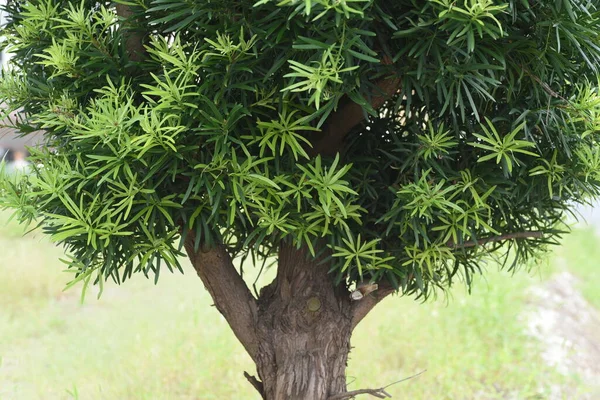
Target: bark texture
304	330
298	331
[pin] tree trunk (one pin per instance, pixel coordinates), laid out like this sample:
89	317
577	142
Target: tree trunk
304	327
298	331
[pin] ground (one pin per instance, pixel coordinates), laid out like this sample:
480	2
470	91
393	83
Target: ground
141	341
568	328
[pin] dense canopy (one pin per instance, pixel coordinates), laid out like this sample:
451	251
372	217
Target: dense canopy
412	137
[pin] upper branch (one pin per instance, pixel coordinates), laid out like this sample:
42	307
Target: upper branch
350	114
228	290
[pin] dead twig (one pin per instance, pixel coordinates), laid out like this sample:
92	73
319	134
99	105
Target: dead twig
379	393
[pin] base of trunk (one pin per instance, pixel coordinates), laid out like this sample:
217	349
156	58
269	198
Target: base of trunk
298	330
305	365
304	327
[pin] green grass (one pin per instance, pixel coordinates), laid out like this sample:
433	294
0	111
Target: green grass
142	341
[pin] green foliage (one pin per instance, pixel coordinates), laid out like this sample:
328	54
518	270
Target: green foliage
493	130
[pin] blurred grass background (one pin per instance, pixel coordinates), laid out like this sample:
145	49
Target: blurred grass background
142	341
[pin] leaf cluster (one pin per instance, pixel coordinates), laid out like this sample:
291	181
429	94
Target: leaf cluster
492	132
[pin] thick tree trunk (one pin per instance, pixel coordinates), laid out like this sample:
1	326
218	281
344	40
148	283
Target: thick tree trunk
298	331
304	327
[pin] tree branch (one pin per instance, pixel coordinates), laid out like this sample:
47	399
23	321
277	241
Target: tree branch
228	290
134	40
349	114
508	236
544	85
362	307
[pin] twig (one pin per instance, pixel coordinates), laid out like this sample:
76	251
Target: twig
547	88
379	393
508	236
258	385
405	379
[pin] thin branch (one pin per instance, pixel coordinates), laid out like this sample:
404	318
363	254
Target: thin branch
365	304
231	295
379	393
508	236
544	85
405	379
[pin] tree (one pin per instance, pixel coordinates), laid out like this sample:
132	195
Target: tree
365	146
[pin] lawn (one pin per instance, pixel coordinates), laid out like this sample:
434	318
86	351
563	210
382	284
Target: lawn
141	341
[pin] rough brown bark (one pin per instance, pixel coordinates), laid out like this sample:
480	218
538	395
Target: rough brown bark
304	329
298	332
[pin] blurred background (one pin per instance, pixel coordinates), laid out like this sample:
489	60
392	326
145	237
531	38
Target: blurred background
534	334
